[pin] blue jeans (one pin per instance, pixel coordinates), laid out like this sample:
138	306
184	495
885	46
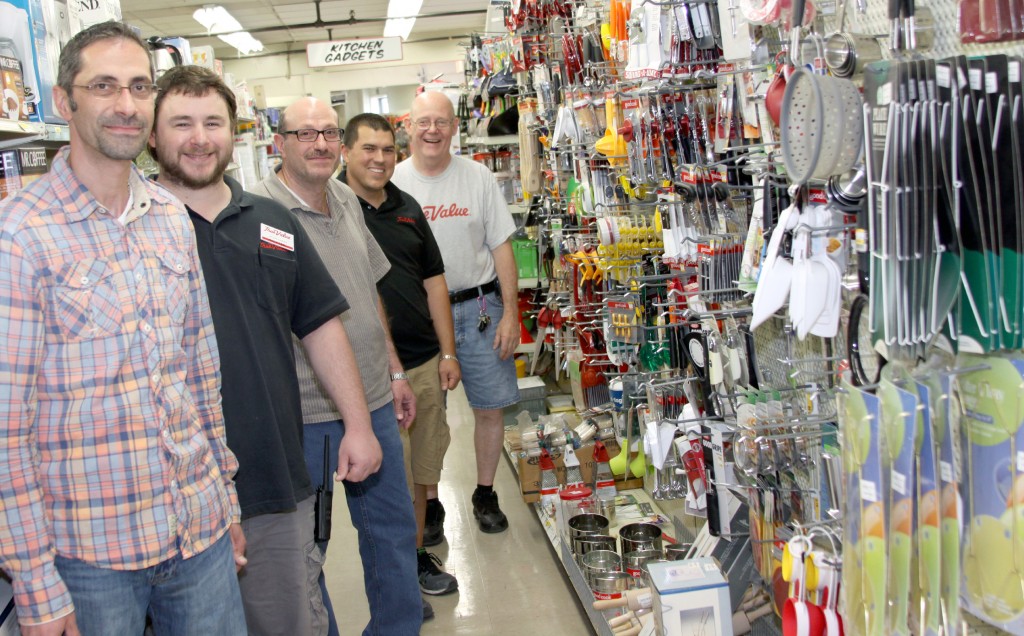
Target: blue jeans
381	511
182	596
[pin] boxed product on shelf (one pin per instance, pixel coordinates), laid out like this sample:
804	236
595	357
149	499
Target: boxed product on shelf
10	173
525	252
529	470
690	597
13	86
51	30
203	56
32	163
86	14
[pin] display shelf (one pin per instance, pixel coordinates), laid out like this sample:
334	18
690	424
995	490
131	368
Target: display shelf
500	140
564	554
17	133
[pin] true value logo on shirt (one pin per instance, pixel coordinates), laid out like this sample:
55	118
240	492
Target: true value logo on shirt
435	212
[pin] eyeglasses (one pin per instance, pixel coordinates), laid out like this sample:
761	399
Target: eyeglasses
440	124
310	134
106	90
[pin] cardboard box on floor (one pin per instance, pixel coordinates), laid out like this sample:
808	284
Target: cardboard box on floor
529	471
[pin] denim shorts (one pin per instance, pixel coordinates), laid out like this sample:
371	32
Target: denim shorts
490	382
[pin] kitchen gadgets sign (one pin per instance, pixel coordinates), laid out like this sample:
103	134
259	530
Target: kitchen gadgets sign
342	52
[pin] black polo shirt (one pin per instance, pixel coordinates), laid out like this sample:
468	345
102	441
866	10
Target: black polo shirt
404	234
265	282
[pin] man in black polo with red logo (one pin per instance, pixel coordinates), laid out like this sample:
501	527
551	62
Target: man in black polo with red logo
415	295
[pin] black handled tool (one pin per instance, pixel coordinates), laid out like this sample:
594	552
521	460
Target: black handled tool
324	499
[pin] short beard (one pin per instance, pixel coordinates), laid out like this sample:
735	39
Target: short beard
175	174
119	148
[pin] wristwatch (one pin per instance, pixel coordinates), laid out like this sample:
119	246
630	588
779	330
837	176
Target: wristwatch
448	356
401	375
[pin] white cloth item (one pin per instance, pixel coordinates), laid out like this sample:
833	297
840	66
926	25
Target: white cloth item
467	214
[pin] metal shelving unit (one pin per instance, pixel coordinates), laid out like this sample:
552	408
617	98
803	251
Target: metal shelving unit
18	133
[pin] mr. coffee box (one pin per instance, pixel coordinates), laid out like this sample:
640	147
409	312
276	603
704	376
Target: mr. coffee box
13	87
33	164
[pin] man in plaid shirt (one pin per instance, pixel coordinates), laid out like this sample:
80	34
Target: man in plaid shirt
115	495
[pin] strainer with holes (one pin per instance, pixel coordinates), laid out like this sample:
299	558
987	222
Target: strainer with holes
821	129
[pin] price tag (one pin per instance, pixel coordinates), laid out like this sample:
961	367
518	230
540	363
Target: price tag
946	470
868	491
899	483
884	94
1013	71
974	77
942	75
991	83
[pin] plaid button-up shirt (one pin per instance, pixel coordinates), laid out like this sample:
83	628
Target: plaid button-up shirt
112	440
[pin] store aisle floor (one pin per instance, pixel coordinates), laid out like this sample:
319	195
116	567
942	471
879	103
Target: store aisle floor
509	583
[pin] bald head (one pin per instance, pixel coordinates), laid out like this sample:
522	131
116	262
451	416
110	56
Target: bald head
306	108
308	164
434	124
435	102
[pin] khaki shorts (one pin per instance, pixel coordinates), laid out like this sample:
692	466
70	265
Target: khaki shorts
428	437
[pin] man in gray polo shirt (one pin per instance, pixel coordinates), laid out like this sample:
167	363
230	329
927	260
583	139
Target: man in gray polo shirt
380	506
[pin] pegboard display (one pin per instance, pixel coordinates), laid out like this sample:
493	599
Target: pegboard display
946	38
795	265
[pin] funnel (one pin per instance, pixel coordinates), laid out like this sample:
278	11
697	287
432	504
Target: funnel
619	463
639	464
612	145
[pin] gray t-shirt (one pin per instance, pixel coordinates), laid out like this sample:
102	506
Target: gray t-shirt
467	214
356	263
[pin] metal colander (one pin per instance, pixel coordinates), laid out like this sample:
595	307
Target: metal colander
821	128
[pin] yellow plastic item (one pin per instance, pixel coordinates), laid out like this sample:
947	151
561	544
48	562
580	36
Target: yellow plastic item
520	368
612	145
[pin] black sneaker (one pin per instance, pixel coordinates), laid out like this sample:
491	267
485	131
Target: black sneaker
433	529
487	512
434	580
428	611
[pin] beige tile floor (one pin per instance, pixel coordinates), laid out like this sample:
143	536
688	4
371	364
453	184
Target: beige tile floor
509	583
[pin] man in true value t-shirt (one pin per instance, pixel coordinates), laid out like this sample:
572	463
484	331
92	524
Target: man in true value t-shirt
472	226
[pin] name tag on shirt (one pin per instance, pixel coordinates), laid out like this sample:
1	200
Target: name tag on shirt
277	238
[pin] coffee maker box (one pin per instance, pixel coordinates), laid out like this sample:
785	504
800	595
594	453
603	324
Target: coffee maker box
85	13
16	42
690	597
13	86
32	163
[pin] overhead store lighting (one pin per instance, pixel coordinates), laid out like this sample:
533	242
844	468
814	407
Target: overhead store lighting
243	41
401	17
217	21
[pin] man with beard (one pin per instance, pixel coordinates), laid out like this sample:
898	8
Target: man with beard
381	508
265	283
116	494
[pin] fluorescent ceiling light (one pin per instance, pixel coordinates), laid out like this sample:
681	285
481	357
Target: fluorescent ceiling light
243	41
217	21
401	17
